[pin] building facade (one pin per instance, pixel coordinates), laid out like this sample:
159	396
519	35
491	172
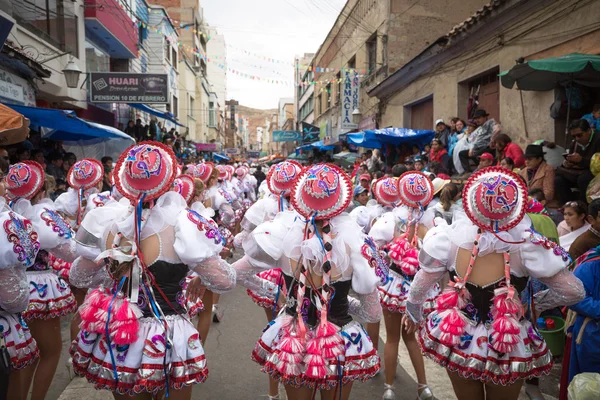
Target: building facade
369	40
304	92
467	59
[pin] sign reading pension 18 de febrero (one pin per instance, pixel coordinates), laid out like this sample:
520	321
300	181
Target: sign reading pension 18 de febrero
116	87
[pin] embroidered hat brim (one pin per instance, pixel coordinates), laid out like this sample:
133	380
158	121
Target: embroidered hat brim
184	185
145	169
495	199
322	192
386	191
85	174
281	177
24	180
415	189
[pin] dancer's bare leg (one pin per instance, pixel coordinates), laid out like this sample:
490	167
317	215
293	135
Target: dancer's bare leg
373	332
46	333
416	357
205	317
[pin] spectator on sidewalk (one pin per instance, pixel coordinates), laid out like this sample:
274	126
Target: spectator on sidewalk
55	167
590	238
507	163
409	163
537	174
398	170
556	215
4	160
575	170
419	164
259	175
481	139
130	129
439	154
505	147
442	132
575	223
593	118
486	160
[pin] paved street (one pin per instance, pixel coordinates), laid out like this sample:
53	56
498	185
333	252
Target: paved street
233	375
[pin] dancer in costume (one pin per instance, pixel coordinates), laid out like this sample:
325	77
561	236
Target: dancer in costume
85	179
280	181
49	295
19	246
397	233
314	344
477	331
135	338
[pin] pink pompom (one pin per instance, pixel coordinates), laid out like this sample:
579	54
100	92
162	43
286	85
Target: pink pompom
327	329
293	358
126	333
290	344
315	367
506	305
452	325
409	266
313	347
333	352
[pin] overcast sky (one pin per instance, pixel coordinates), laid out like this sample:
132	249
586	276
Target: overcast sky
279	29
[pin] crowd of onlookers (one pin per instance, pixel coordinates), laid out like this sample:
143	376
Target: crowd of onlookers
561	180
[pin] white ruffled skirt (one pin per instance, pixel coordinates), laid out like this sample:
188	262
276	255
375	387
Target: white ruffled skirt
360	360
474	358
22	348
394	294
49	296
149	364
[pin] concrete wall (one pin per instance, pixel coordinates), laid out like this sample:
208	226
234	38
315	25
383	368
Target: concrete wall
449	93
217	77
401	27
54	89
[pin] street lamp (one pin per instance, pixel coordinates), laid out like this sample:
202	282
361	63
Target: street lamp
72	73
356	114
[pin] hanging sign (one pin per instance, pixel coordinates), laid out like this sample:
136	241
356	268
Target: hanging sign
286	136
350	99
119	87
310	133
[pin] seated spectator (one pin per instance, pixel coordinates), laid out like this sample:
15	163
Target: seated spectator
439	154
481	139
507	163
574	225
409	163
398	170
419	164
365	180
485	160
575	170
22	153
593	118
107	162
361	196
538	194
464	143
442	132
37	155
506	148
537	174
4	160
590	238
55	167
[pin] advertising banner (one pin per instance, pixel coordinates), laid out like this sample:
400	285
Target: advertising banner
231	150
118	87
310	133
286	136
206	147
350	98
253	154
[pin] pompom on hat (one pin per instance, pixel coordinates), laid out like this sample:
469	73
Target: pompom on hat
495	199
85	174
184	185
415	189
230	171
204	171
241	172
145	169
322	191
281	177
386	192
223	173
24	180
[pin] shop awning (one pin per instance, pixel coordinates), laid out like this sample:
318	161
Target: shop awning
157	113
374	139
220	157
316	145
66	126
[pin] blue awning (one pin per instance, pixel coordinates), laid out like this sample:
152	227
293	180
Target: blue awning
315	145
155	112
66	126
220	157
375	138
